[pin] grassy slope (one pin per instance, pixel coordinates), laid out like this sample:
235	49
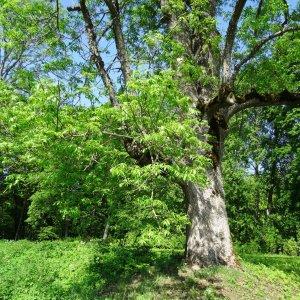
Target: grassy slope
77	270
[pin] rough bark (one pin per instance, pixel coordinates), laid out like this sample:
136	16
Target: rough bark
208	235
254	99
208	241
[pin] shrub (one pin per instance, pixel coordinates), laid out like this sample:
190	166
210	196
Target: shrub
290	247
47	234
251	247
270	239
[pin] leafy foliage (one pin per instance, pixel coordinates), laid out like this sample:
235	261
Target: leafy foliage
259	178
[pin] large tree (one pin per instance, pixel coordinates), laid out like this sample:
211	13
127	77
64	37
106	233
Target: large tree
173	76
253	64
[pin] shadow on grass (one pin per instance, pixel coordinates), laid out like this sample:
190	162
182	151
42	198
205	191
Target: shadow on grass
130	273
119	272
287	264
117	266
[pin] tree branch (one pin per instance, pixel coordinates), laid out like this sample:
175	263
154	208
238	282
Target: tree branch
258	47
119	38
57	15
254	99
258	13
73	8
286	13
259	8
5	57
230	37
17	60
95	53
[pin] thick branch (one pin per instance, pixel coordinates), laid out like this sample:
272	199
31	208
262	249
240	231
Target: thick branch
259	46
230	37
92	40
254	99
119	38
168	16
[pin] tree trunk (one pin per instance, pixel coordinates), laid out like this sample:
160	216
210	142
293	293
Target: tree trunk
105	233
208	236
208	240
21	220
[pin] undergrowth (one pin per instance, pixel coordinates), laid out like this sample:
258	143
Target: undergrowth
93	270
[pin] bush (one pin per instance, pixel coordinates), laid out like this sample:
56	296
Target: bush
47	234
270	239
251	247
290	247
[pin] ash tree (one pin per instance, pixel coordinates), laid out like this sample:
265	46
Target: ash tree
255	62
172	73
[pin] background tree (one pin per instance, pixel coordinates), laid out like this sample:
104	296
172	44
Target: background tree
259	178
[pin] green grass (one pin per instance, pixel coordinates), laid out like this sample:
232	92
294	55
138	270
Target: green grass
91	270
46	270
